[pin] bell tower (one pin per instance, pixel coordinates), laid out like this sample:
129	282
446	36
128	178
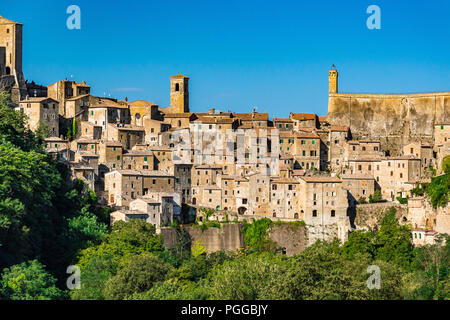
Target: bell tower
179	94
333	80
11	57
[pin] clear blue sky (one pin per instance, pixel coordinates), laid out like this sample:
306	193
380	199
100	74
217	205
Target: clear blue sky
238	53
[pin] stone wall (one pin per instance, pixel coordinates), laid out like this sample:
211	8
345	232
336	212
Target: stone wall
395	119
370	215
289	236
292	238
228	238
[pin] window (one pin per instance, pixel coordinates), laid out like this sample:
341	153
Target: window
333	213
145	159
177	87
313	142
314	213
118	157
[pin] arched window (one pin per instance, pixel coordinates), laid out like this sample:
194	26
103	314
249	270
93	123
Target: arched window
296	215
194	201
274	214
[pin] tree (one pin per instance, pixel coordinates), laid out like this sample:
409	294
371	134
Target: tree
431	276
446	165
94	276
393	242
375	197
256	237
247	277
137	276
29	281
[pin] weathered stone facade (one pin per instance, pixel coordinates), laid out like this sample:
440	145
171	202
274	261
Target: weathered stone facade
396	119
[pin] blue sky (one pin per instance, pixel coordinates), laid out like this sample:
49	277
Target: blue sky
271	54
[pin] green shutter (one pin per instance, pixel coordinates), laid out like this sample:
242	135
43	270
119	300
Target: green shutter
145	159
118	157
313	142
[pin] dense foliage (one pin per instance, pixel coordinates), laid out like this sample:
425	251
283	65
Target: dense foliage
44	218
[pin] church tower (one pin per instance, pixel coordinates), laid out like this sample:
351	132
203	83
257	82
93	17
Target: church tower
179	94
333	80
11	76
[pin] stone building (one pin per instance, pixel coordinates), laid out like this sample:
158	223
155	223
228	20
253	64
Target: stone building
41	110
338	136
139	160
285	198
128	135
179	94
362	149
423	151
283	124
11	76
64	90
304	120
183	181
324	204
358	186
58	148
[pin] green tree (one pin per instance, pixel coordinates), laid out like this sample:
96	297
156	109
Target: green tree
376	197
29	281
393	242
94	276
137	276
256	236
247	277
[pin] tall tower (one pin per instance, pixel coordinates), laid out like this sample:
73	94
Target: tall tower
11	58
333	80
179	94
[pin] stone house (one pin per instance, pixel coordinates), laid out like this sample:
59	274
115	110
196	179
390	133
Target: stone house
128	135
422	151
41	110
358	186
324	204
58	148
304	120
283	124
124	186
285	198
138	160
336	146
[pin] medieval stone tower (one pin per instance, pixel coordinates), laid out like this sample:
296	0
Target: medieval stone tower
11	76
333	80
179	94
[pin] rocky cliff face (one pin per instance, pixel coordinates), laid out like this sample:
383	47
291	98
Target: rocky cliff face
395	119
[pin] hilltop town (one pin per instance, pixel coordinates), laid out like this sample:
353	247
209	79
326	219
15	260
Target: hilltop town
166	164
